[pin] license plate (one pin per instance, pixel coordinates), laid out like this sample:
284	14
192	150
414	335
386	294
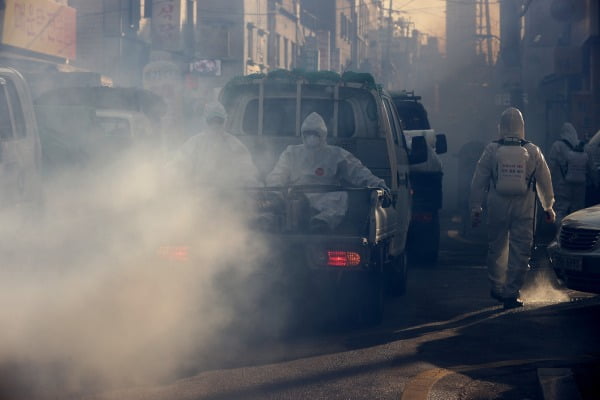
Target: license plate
568	262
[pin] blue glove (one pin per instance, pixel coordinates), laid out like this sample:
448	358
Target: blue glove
387	199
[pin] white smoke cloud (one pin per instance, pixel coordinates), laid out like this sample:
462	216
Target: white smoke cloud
85	287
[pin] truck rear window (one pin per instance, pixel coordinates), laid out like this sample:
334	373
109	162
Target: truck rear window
280	116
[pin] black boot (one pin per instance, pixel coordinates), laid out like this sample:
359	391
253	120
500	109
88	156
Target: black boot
512	302
497	296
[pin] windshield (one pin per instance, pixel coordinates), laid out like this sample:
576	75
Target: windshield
412	114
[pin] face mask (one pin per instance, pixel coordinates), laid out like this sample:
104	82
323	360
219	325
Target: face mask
312	141
216	125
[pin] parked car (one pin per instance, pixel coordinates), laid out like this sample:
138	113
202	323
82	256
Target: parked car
20	151
575	254
426	179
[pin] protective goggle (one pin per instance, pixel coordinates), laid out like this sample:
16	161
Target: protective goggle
311	133
216	121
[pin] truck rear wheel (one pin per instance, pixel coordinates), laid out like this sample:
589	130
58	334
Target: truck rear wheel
371	307
397	277
424	242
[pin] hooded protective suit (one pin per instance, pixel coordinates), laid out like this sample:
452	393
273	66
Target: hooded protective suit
316	163
510	217
214	157
433	162
570	195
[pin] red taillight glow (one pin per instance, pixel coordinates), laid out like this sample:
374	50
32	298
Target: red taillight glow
422	217
174	253
343	259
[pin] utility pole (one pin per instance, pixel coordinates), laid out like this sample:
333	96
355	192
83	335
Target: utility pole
385	62
484	31
510	50
354	16
189	42
488	32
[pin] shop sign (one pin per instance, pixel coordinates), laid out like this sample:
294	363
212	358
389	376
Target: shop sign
42	26
166	24
206	67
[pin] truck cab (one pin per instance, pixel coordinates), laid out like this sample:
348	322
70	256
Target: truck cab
367	253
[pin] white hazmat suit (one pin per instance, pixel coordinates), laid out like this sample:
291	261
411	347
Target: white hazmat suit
316	163
569	193
433	162
214	157
510	217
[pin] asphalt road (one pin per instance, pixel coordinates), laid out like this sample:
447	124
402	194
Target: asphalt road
445	339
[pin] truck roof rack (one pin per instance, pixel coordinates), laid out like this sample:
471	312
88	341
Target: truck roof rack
406	95
292	77
297	78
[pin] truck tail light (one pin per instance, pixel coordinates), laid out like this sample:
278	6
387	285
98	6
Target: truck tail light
342	258
422	217
174	253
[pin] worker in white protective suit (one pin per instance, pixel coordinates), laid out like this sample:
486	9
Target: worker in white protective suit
571	168
316	163
215	157
433	162
507	172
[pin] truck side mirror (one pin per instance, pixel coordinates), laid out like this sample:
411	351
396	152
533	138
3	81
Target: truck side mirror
441	145
418	152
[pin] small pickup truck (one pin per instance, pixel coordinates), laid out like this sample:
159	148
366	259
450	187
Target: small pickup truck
344	273
362	260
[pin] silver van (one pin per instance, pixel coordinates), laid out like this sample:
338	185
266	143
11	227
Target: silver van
20	152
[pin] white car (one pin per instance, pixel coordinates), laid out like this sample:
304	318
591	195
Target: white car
575	254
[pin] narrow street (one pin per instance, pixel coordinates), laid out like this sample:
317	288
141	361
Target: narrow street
446	339
226	199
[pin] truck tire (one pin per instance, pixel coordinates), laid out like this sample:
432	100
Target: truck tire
431	254
424	242
398	275
371	309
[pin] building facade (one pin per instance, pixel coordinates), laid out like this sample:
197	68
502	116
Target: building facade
561	60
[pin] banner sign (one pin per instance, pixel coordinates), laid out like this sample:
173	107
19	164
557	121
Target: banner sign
42	26
167	24
206	67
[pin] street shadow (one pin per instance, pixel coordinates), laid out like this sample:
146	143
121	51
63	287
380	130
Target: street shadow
369	339
508	349
278	388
